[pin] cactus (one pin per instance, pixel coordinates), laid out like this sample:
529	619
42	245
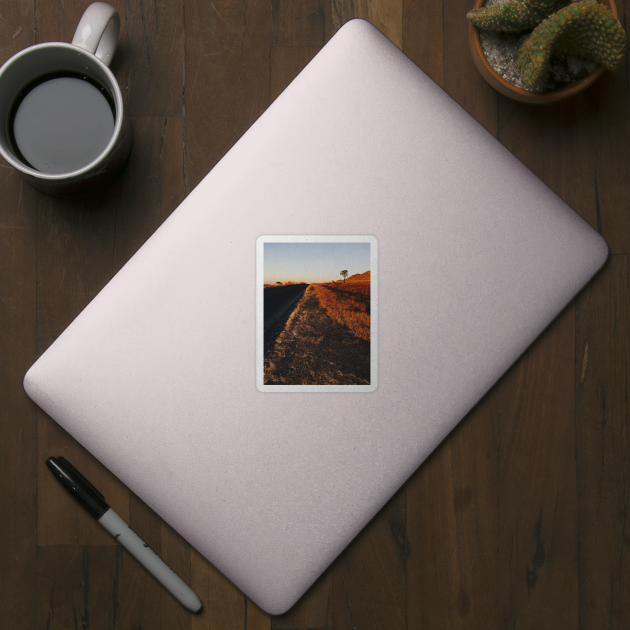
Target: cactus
584	29
513	16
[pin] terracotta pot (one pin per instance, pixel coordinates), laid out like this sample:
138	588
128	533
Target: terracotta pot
518	94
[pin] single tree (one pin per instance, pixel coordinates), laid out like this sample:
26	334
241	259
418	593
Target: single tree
344	273
278	282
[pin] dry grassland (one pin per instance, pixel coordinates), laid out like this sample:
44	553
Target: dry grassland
313	349
348	304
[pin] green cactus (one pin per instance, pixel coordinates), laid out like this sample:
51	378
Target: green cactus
584	29
513	16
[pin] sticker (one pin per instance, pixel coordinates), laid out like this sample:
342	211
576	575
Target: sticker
316	313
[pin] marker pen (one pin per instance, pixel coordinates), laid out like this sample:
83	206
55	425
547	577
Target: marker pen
94	502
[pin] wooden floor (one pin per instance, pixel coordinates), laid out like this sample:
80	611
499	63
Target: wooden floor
518	520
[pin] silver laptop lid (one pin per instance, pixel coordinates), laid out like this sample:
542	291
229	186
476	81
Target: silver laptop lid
158	379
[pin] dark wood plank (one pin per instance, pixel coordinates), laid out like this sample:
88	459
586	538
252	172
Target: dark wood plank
300	22
76	587
608	126
255	618
562	148
422	36
285	64
154	57
17	28
74	248
18	415
452	527
575	147
226	78
57	22
570	146
603	443
18	423
461	78
386	15
537	537
558	147
369	577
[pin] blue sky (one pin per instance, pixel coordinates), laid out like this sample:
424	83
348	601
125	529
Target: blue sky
314	262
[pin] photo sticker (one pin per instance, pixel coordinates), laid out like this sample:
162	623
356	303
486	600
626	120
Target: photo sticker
316	313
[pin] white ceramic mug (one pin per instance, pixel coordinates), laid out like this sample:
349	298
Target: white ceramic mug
88	57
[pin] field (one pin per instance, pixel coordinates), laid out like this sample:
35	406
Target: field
326	340
348	304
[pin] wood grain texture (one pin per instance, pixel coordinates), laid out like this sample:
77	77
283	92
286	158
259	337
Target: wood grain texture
537	510
226	78
609	133
519	519
18	416
452	515
76	587
300	22
575	148
422	36
602	380
369	577
154	57
17	28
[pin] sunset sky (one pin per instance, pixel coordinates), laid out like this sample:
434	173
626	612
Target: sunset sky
314	262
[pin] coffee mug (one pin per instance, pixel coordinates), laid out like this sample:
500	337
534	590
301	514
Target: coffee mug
62	114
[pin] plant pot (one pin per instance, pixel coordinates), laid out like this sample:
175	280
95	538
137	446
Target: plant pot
519	94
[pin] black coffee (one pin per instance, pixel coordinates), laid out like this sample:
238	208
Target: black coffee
61	123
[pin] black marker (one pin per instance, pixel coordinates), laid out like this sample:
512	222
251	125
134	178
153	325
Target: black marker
94	502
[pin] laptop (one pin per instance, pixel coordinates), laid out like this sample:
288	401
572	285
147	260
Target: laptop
183	381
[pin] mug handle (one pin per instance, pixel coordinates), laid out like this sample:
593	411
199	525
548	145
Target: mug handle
98	30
